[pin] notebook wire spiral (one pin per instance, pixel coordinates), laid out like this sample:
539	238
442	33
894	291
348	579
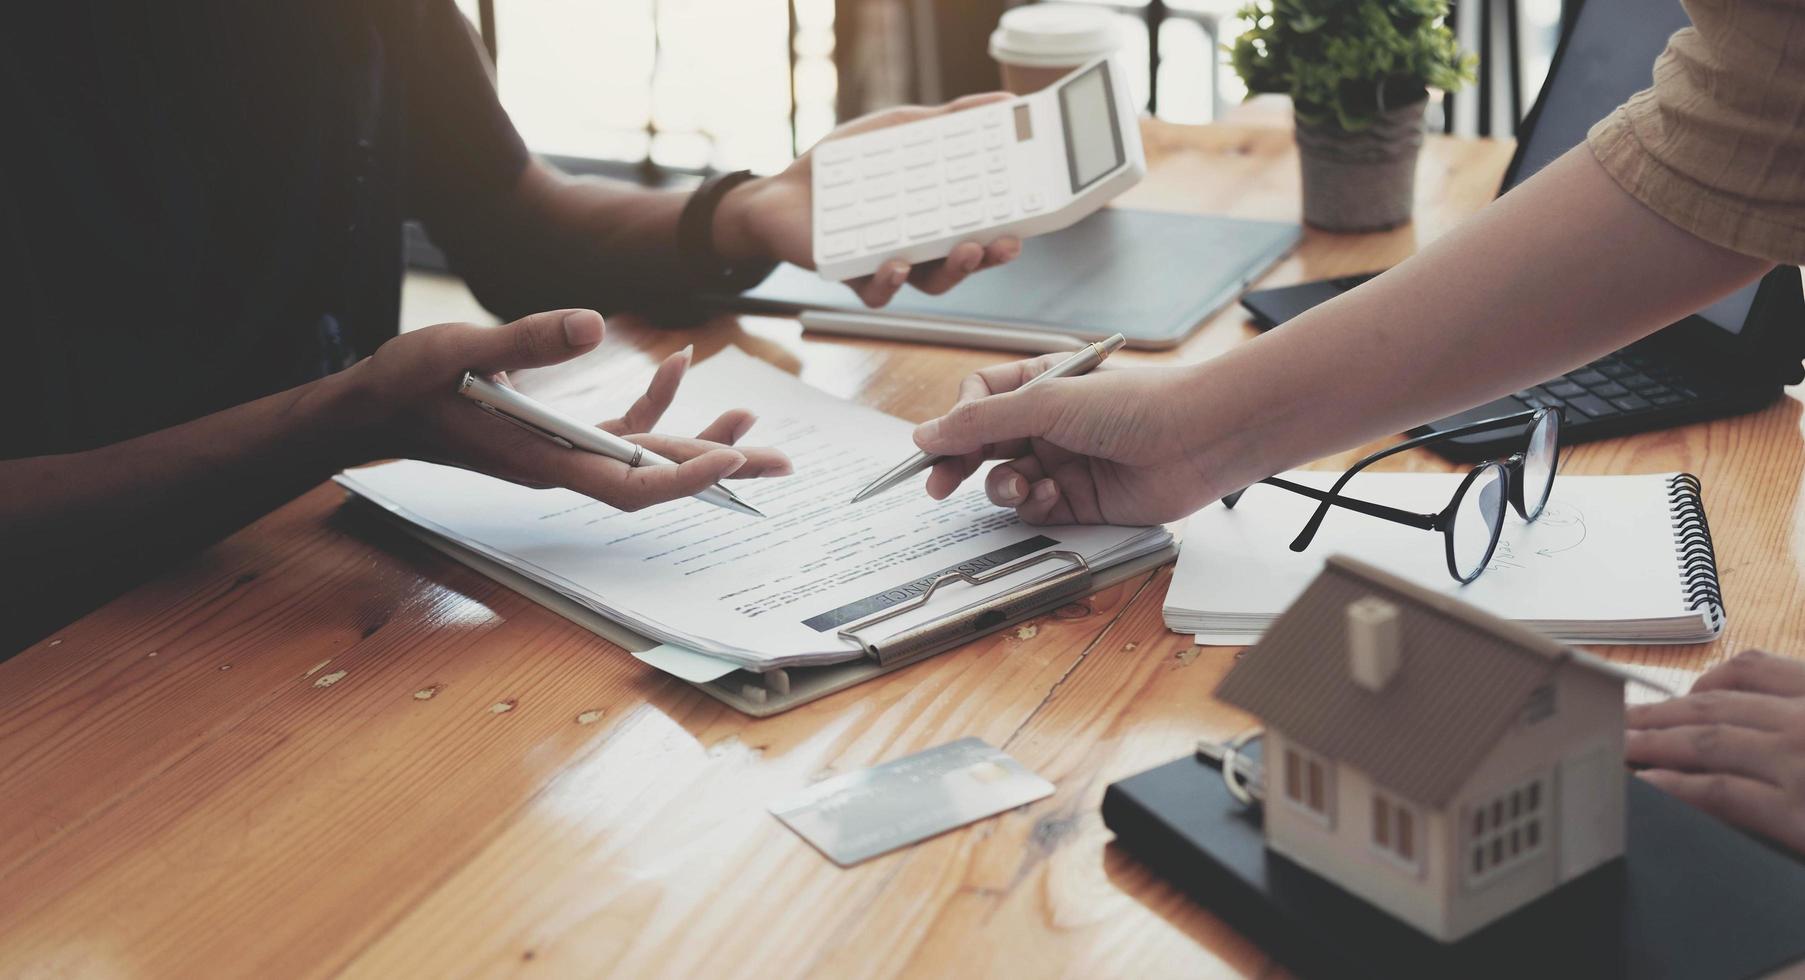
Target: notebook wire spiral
1693	544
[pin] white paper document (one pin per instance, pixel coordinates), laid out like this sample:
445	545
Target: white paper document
1603	564
759	593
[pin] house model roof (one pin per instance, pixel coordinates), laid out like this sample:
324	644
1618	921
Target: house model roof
1465	676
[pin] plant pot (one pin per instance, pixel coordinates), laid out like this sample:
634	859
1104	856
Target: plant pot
1365	180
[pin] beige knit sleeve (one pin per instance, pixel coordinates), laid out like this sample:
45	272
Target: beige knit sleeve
1717	144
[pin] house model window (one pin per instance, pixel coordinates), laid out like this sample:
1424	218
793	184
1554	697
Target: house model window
1507	831
1307	782
1395	830
1540	704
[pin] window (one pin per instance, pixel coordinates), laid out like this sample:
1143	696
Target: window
1540	704
1395	830
1186	39
682	85
670	85
1307	783
1507	831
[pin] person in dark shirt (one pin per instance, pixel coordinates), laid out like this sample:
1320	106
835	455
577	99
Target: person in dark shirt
200	256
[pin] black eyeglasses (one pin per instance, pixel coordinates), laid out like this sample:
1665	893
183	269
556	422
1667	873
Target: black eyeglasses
1473	521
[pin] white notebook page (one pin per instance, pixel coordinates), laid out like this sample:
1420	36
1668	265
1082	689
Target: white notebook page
1602	552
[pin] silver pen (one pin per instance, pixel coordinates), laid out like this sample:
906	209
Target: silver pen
1081	361
566	431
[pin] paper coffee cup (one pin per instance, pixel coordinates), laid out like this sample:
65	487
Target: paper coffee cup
1037	44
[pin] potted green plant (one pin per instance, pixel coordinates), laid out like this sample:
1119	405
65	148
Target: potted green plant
1358	73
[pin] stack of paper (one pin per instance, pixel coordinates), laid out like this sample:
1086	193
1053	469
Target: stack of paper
1613	559
762	594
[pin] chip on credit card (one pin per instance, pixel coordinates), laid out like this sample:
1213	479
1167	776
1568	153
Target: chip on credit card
874	811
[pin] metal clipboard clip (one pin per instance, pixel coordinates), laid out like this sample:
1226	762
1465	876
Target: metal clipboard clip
988	615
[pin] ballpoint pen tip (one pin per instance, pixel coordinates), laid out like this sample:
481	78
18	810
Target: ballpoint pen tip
735	503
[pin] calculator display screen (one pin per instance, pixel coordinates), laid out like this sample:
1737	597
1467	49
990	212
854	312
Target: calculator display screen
1093	135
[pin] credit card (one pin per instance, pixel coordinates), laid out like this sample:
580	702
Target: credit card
874	811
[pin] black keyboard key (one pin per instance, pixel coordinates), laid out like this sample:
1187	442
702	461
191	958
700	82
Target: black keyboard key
1593	406
1537	398
1564	389
1692	385
1610	389
1638	382
1667	398
1587	377
1615	369
1631	403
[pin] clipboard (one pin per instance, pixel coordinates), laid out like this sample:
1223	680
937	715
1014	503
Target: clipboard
762	694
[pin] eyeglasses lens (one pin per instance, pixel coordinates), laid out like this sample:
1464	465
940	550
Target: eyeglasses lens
1539	462
1477	518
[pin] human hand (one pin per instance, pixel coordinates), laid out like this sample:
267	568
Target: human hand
407	403
1734	747
1105	448
773	217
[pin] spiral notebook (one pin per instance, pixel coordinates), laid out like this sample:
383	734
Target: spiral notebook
1613	559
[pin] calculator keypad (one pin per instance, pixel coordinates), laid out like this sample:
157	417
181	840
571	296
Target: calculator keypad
920	183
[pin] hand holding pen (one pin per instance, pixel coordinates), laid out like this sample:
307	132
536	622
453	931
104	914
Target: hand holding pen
1111	447
1044	369
567	432
403	402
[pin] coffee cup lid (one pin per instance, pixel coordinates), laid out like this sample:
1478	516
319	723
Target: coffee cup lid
1053	35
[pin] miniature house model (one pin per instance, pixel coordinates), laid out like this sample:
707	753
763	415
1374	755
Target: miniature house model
1444	765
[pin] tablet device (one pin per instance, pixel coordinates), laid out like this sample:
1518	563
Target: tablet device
1152	276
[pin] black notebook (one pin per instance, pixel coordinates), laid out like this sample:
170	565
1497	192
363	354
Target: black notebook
1152	276
1694	898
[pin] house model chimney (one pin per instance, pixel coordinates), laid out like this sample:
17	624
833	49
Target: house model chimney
1374	647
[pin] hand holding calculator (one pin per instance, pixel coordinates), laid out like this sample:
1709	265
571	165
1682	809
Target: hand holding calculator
1020	167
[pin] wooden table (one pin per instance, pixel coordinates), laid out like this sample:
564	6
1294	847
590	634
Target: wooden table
321	747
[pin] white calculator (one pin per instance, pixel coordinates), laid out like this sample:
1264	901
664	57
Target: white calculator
1022	167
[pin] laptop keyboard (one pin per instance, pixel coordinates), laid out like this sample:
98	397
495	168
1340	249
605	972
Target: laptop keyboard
1624	383
1617	384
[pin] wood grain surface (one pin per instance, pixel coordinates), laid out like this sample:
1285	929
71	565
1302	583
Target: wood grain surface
321	748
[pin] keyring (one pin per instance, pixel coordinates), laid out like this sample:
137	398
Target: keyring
1231	766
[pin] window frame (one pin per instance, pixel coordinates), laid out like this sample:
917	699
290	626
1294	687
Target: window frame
1523	811
1293	755
645	171
1393	812
1153	13
1542	704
